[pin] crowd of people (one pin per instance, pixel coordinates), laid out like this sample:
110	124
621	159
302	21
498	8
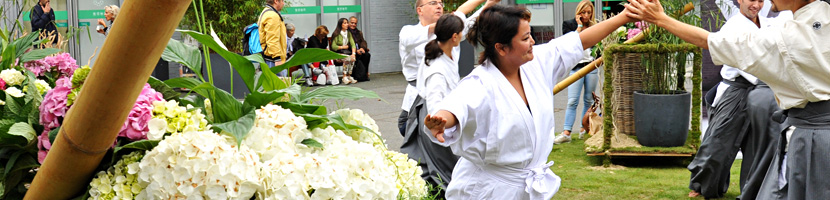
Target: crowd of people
279	44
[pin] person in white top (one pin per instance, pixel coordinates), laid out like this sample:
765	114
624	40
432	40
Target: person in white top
437	76
733	123
794	60
433	159
498	118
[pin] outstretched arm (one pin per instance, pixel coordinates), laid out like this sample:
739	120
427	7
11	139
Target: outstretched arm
438	122
596	33
469	6
653	12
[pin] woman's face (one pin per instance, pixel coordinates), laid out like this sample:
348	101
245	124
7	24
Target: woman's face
108	15
344	25
586	13
521	50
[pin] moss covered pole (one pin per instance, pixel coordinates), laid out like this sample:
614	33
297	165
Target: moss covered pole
127	58
593	65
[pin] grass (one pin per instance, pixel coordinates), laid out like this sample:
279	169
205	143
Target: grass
630	178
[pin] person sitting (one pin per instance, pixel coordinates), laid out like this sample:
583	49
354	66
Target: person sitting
342	42
110	13
361	68
324	72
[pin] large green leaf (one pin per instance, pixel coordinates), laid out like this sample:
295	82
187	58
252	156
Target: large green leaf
38	54
8	57
302	108
238	128
225	107
23	130
259	99
5	137
14	105
33	100
53	134
269	81
183	82
336	92
187	55
333	120
24	43
307	55
166	90
244	67
257	58
145	145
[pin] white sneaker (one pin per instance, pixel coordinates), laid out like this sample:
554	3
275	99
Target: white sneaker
346	80
352	79
581	134
562	138
309	82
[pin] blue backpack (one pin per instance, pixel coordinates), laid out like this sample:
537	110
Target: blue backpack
250	42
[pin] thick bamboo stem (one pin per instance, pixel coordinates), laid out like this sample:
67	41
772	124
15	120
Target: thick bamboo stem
593	65
128	56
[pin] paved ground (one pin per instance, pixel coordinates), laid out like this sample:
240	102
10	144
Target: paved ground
391	86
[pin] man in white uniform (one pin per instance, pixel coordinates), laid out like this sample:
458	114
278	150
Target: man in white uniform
794	60
730	120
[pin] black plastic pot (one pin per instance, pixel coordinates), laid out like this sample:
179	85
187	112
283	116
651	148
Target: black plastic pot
662	120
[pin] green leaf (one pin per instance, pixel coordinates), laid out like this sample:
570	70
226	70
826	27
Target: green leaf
183	82
23	44
257	58
13	105
23	130
270	82
145	145
166	90
312	143
305	56
53	134
187	55
302	108
336	92
238	128
33	100
225	107
259	99
38	54
7	57
244	67
24	163
333	120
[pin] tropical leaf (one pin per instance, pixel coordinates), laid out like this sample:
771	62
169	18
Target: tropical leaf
187	55
38	54
144	145
307	55
336	92
302	108
244	67
166	90
183	82
269	81
238	128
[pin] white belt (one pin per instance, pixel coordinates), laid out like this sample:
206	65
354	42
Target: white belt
541	182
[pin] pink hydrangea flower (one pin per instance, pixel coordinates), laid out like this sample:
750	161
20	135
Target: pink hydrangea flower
53	108
43	146
633	32
63	63
2	84
135	128
38	67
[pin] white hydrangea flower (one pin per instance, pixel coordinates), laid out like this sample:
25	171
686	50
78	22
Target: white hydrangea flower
119	181
42	86
12	76
276	131
357	117
169	117
199	165
409	182
14	92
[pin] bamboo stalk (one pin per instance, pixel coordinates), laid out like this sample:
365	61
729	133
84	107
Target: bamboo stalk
129	55
593	65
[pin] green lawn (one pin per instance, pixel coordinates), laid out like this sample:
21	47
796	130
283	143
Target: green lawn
630	178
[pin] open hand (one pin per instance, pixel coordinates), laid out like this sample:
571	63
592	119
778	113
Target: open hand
648	10
436	124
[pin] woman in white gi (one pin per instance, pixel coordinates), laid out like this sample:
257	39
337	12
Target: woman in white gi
504	138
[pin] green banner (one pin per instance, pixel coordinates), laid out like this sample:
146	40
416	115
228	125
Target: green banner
83	23
301	10
62	24
59	15
342	9
534	1
91	14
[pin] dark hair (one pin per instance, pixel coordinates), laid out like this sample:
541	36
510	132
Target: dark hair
446	26
339	27
497	24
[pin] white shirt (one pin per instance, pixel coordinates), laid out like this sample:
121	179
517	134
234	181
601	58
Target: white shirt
793	59
290	45
438	79
412	40
503	143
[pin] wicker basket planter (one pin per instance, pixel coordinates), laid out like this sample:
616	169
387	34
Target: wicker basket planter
623	76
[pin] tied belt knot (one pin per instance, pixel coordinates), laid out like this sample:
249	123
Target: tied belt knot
542	182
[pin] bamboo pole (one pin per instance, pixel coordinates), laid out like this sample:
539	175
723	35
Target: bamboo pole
128	56
593	65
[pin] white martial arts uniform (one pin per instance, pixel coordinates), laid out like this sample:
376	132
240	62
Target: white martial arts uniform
503	143
438	79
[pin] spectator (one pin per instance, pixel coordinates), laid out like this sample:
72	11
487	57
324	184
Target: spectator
273	35
323	71
361	67
43	18
294	45
110	12
342	42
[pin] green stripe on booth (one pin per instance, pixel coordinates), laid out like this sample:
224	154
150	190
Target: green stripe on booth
342	9
301	10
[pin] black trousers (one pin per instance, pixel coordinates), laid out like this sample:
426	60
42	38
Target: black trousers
361	67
